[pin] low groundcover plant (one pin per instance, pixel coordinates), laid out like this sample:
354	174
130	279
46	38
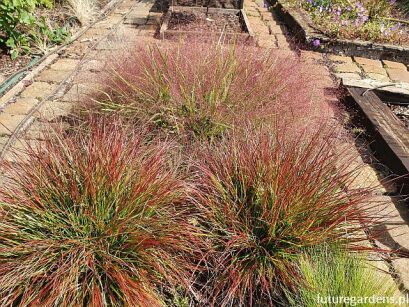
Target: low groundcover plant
95	219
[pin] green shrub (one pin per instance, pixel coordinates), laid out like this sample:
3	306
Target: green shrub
330	271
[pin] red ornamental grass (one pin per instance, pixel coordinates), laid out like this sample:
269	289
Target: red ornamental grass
267	198
203	90
95	220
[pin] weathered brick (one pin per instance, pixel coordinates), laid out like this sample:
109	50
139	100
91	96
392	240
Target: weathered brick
339	58
128	33
394	65
136	20
378	77
266	16
347	67
252	13
53	110
311	56
94	34
78	92
260	29
109	22
38	90
276	29
369	69
369	62
147	27
65	64
52	75
398	75
109	45
267	41
121	10
94	65
9	123
77	49
348	76
21	107
282	41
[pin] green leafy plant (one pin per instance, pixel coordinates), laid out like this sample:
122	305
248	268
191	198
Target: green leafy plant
17	22
45	35
331	273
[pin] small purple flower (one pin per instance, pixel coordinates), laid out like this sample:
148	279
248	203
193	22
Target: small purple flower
316	42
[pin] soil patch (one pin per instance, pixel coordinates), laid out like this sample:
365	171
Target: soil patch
8	66
210	22
402	112
226	4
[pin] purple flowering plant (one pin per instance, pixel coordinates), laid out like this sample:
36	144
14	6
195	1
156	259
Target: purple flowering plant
374	20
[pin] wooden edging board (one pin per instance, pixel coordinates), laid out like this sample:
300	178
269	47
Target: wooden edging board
391	144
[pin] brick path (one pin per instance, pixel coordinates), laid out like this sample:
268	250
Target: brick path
367	73
62	81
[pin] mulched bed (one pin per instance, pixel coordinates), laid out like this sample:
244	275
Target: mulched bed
402	112
200	22
227	4
9	67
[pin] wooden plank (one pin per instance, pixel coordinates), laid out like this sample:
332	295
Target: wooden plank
392	144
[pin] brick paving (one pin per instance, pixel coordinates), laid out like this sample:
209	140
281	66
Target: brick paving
64	80
368	73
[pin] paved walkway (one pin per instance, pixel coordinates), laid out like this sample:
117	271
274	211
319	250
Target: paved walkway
367	73
49	94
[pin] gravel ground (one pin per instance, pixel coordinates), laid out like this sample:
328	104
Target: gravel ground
402	112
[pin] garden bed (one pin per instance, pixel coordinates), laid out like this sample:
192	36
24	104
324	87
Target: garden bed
311	36
194	22
225	4
391	136
9	66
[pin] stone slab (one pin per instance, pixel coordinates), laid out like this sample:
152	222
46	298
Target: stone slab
21	107
38	90
394	65
9	122
65	64
53	76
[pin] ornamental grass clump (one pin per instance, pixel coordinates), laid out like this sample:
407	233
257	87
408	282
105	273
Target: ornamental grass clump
200	90
334	275
269	196
97	219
